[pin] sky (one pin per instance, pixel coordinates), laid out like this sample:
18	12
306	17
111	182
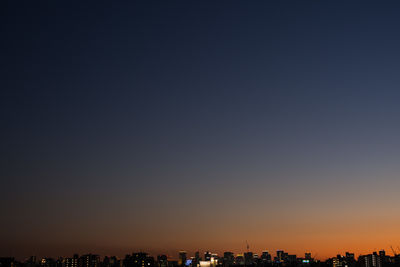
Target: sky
197	125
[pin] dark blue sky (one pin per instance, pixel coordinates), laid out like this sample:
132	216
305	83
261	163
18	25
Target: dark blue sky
121	109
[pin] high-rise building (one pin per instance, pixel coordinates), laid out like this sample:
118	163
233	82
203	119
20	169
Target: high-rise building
279	255
110	262
89	260
248	258
207	256
336	262
239	259
182	258
290	259
31	262
48	262
106	262
7	262
140	259
229	259
162	261
196	260
383	257
214	260
266	257
349	259
371	260
71	262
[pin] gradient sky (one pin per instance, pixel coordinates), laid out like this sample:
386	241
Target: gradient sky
191	125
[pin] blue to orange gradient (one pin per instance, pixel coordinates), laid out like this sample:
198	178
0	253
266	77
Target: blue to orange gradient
198	126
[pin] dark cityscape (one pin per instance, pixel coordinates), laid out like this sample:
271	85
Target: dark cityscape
209	259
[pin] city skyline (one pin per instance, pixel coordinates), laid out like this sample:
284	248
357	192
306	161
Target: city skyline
174	254
209	259
177	254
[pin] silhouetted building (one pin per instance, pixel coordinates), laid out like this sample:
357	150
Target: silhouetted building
182	258
229	259
248	258
371	260
266	257
196	260
71	262
207	256
7	262
140	259
162	261
111	262
239	259
48	262
290	259
89	260
214	260
280	256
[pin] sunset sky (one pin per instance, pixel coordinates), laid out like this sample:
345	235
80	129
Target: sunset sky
197	125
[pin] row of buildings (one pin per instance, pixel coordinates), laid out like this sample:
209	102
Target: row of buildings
208	259
376	259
